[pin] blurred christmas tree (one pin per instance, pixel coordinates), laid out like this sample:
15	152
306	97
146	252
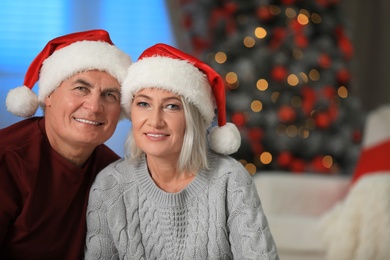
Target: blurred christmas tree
286	65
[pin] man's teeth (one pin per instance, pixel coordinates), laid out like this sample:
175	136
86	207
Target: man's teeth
87	121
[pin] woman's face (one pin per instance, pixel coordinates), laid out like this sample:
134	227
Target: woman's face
158	123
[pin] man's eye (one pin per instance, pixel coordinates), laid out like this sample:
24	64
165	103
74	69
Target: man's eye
81	88
112	96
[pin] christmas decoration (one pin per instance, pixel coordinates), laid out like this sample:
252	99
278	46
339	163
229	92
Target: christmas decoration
286	66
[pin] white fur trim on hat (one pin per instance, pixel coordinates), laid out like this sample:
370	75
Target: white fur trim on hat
225	139
182	78
81	56
21	101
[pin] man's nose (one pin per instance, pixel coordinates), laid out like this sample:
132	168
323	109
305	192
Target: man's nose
94	103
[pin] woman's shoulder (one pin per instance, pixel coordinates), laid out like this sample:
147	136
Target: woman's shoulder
119	171
227	166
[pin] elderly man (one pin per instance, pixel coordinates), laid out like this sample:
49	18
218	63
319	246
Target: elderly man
47	164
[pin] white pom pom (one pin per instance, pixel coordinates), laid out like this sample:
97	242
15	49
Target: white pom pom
225	139
21	101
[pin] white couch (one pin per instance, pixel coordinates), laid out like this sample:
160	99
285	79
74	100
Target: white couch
302	209
294	205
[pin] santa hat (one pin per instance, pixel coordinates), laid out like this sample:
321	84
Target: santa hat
62	58
165	67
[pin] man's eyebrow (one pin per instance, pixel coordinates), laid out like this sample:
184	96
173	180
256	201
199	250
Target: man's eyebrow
81	81
86	83
116	90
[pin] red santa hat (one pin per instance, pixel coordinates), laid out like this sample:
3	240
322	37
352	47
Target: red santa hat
165	67
62	58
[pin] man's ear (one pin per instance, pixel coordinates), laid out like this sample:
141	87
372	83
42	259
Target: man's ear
48	101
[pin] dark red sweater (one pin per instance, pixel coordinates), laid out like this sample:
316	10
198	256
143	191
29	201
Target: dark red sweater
43	197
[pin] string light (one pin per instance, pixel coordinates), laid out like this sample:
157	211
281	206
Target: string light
316	18
342	92
303	19
327	161
281	130
292	131
314	75
292	80
262	84
275	96
260	32
290	12
220	57
304	77
265	157
274	9
251	168
232	80
256	106
249	42
296	101
303	132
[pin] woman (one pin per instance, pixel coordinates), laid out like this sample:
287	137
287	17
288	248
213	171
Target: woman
173	197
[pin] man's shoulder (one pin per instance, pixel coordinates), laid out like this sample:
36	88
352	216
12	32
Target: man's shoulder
20	133
104	156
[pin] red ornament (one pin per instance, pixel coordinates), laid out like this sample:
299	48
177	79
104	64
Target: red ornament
301	40
322	120
297	166
357	136
288	2
333	112
255	134
264	13
238	119
286	114
328	91
324	61
318	166
344	43
199	45
343	76
257	148
279	73
187	22
225	14
309	98
284	159
278	36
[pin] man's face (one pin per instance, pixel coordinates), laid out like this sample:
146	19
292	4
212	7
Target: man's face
83	111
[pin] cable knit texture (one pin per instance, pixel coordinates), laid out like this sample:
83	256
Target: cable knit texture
217	216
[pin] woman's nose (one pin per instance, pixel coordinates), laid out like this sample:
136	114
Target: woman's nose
155	118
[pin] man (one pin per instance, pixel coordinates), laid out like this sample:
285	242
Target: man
47	164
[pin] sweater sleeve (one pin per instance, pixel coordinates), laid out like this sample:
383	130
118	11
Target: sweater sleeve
249	233
99	242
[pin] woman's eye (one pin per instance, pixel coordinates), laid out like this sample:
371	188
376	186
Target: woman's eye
172	107
142	104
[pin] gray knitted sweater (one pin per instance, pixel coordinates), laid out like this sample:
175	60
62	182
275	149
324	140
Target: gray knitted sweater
217	216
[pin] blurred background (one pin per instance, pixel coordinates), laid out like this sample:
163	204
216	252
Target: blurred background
300	75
